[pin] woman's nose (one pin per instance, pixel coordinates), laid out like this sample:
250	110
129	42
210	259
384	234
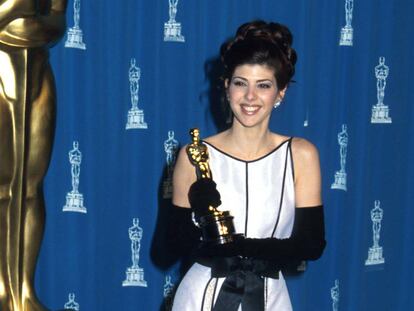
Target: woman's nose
251	92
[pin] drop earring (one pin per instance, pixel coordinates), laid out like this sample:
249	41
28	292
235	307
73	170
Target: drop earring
277	104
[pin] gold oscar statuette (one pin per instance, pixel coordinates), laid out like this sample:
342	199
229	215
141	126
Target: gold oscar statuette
27	121
217	227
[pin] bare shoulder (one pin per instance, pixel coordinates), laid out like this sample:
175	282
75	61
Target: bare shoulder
307	173
183	177
304	151
183	165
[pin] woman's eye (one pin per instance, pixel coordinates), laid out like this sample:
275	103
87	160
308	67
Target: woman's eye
264	86
238	83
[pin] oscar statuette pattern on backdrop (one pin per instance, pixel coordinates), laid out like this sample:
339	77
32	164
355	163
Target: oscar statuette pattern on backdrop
134	76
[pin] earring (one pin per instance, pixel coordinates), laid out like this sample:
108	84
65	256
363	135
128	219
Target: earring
277	104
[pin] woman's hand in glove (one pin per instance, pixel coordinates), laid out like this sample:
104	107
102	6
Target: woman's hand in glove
229	249
202	194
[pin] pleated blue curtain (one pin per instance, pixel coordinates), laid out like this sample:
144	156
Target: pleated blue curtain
123	174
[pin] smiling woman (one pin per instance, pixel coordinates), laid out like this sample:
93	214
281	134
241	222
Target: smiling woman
252	93
270	183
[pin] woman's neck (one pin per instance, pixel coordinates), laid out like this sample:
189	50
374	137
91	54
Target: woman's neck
249	143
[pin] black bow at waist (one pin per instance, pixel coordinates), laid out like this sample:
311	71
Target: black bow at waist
244	281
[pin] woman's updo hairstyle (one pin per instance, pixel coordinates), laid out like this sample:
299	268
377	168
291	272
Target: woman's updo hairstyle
261	43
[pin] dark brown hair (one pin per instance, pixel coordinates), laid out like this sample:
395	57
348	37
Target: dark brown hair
261	43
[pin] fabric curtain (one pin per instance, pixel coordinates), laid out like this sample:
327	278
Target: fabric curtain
156	64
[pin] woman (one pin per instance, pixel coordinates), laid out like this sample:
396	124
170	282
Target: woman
270	183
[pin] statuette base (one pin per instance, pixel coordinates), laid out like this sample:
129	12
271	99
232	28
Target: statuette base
340	181
380	114
74	203
347	34
167	189
172	32
136	119
135	277
75	39
374	256
218	228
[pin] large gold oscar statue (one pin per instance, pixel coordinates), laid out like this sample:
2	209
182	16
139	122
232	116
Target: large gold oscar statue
27	120
217	227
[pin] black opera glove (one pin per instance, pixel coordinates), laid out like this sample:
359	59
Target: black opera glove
230	249
182	236
307	241
202	194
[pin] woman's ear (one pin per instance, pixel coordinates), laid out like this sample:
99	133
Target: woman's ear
226	84
226	88
281	94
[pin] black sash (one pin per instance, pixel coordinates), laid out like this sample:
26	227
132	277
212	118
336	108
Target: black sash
244	283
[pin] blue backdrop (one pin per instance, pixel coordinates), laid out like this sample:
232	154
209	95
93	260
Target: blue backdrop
124	172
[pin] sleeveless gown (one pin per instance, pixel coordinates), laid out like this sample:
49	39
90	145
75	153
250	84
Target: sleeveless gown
260	195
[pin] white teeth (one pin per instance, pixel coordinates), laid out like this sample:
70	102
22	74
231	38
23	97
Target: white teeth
250	108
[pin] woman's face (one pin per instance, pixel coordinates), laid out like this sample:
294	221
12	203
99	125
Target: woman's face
252	91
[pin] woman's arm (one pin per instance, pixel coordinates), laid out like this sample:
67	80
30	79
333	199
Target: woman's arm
307	173
184	176
182	235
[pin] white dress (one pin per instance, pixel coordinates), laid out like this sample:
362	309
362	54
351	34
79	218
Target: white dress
260	195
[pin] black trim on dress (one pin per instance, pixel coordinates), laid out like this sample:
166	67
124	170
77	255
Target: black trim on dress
247	199
205	292
282	193
248	161
291	158
214	294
